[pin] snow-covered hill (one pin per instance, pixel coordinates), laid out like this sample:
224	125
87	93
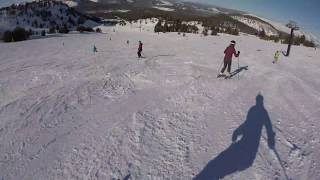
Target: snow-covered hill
257	24
174	5
42	15
67	113
71	3
272	27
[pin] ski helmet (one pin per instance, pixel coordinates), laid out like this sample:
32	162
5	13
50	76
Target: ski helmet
233	42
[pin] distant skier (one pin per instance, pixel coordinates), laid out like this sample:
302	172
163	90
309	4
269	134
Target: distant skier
128	42
95	49
140	49
229	52
276	57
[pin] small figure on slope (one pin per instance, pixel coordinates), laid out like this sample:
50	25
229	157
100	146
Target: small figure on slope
128	42
276	57
140	49
94	49
229	52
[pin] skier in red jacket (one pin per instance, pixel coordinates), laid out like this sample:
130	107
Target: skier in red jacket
229	52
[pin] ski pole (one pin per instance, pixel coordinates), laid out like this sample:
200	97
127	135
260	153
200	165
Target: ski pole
238	67
280	162
220	67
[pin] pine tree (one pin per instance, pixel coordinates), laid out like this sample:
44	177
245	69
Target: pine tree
43	33
19	34
52	30
7	36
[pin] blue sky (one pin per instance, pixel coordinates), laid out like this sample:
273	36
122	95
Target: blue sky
305	12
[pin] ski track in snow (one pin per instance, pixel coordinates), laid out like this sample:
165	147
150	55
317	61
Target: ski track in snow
67	113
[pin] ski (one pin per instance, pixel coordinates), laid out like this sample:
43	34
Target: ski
221	76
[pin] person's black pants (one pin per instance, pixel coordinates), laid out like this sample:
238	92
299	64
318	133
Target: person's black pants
226	64
139	53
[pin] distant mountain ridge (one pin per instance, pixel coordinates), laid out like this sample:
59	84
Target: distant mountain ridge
109	8
139	9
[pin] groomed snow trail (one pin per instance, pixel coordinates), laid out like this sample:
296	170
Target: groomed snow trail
67	113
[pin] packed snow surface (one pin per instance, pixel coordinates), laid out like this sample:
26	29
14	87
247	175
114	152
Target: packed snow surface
67	113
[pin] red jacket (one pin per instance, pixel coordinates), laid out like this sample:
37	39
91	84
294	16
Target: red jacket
229	52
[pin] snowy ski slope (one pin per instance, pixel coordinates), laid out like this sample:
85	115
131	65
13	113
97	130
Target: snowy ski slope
66	113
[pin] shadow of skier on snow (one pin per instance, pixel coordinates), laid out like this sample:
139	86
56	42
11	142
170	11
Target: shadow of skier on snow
241	154
237	71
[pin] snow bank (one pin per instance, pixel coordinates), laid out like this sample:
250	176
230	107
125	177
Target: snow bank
215	10
71	3
163	8
118	10
145	25
164	3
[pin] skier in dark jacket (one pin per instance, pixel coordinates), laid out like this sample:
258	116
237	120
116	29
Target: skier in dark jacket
94	49
140	49
229	52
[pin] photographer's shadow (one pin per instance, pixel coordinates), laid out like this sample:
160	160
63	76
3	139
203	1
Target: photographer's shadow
241	154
